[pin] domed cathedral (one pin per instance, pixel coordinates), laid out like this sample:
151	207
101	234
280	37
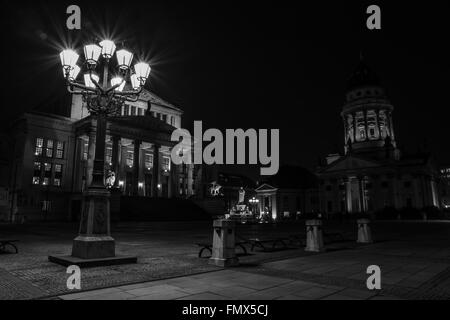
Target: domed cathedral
367	115
372	174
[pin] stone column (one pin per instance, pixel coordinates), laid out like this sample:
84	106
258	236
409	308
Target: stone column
223	251
354	127
391	126
348	195
115	158
136	156
380	133
362	206
156	170
366	128
314	236
345	130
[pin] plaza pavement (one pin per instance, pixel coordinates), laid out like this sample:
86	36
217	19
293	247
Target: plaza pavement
414	258
415	273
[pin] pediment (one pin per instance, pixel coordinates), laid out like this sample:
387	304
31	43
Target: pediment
350	163
265	187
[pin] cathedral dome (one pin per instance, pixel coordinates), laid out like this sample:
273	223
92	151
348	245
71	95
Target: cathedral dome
362	76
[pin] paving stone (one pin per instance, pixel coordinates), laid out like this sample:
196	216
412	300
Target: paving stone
159	289
204	296
315	292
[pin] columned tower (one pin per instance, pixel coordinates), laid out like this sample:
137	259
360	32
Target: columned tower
367	115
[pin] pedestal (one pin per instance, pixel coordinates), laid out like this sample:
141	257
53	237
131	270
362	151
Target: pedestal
223	251
314	236
94	245
364	232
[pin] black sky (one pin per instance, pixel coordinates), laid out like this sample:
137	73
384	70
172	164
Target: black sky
254	65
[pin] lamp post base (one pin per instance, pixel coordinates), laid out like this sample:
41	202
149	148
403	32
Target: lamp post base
89	247
94	246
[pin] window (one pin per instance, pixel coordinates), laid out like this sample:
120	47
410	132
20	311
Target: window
47	173
140	111
59	150
58	175
39	145
164	118
126	110
130	158
85	151
49	149
37	173
133	110
166	163
153	114
362	134
148	159
108	155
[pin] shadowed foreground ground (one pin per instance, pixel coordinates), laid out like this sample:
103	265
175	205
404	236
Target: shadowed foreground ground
414	258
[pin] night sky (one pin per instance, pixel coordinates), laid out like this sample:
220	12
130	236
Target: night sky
258	65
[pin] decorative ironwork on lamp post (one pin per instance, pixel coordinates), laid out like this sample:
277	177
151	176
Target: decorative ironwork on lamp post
102	100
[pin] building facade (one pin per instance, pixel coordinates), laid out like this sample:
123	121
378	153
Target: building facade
373	174
53	156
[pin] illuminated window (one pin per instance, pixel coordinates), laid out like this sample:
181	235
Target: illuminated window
58	175
39	145
47	173
85	150
130	158
148	160
49	149
37	173
166	163
108	157
59	150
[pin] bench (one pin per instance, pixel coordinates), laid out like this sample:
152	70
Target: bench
297	239
7	242
208	247
257	242
333	237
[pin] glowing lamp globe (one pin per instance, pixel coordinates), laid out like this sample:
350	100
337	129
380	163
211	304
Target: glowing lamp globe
142	70
124	59
108	48
69	59
92	53
135	83
88	82
116	81
73	73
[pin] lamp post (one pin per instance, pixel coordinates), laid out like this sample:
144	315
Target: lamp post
94	240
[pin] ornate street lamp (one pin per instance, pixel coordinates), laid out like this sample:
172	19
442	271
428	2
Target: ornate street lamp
102	100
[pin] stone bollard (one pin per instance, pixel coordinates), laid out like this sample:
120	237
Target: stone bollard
364	233
314	236
223	252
